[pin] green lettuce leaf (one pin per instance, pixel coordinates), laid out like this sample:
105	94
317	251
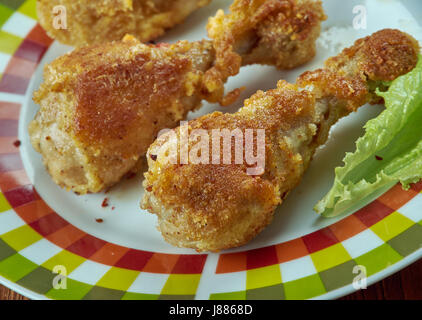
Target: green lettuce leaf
389	152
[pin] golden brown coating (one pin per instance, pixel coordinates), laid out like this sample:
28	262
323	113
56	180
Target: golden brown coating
99	21
103	105
211	207
283	33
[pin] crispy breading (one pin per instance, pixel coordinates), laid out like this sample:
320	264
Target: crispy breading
102	106
99	21
211	207
283	33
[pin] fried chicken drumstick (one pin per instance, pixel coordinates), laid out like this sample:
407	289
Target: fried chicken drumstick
211	207
99	21
102	106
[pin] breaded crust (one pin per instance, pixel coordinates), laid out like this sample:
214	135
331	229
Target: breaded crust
99	21
103	105
281	33
211	207
109	102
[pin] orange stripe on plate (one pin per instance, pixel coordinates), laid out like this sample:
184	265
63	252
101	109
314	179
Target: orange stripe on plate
13	179
66	236
109	254
33	211
347	228
39	36
232	262
396	197
291	250
161	263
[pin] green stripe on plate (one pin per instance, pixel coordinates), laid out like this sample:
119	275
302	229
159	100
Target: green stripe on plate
9	42
16	267
238	295
330	257
378	259
263	277
118	279
64	258
5	13
408	241
4	204
40	280
391	226
275	292
100	293
21	237
75	290
139	296
12	4
29	9
176	297
5	250
338	276
304	288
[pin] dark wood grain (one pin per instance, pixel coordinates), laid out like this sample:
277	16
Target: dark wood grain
7	294
406	284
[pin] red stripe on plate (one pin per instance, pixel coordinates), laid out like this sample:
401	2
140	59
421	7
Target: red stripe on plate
13	84
21	195
190	264
10	110
373	212
261	257
49	224
8	127
417	186
30	50
21	67
86	246
319	240
134	259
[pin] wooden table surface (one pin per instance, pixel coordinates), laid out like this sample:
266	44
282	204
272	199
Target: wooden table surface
406	284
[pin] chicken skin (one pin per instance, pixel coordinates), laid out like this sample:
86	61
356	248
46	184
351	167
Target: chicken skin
102	106
99	21
211	207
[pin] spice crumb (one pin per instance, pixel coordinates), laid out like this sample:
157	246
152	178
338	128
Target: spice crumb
99	220
17	143
153	156
379	158
105	203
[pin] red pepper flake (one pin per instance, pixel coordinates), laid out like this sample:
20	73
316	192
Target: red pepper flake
149	188
105	203
112	208
99	220
153	156
17	143
379	158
